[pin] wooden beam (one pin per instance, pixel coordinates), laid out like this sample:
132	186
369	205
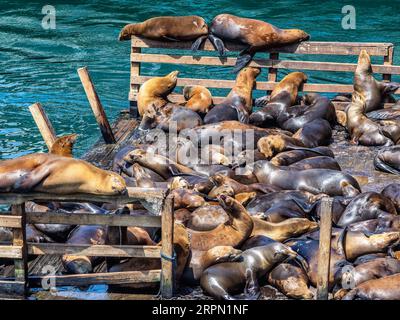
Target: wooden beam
324	254
135	70
92	219
388	61
95	250
12	288
168	261
11	252
96	105
10	221
44	124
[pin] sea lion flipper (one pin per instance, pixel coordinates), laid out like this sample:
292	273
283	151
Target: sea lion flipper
243	60
218	44
261	102
380	165
389	87
170	38
196	45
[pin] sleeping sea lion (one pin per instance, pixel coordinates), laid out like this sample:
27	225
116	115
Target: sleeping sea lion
198	99
392	192
315	133
321	162
388	160
287	158
274	144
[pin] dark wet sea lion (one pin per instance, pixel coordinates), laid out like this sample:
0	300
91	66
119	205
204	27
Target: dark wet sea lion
287	158
291	280
50	173
321	162
258	35
239	103
368	257
170	28
225	279
339	204
330	182
388	160
36	236
62	146
282	98
319	107
198	99
392	191
368	205
256	241
386	288
315	133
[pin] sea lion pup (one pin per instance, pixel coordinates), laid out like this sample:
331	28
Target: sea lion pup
386	288
291	280
225	279
315	181
287	158
368	205
153	93
315	133
367	87
42	172
63	145
388	160
392	192
239	103
363	130
280	231
198	99
318	107
282	98
258	35
274	144
170	28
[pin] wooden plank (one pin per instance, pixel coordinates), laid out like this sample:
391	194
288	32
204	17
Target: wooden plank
324	254
128	277
135	70
43	123
167	242
19	240
96	105
12	288
94	250
272	72
93	219
10	221
388	60
11	252
307	47
133	194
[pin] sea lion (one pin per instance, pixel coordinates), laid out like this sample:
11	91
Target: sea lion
363	130
315	181
368	205
386	288
321	162
185	198
339	204
36	236
274	144
315	133
248	156
258	35
238	104
385	114
291	280
170	28
207	218
388	160
198	99
62	146
318	107
370	90
225	279
282	98
51	173
287	158
256	241
392	192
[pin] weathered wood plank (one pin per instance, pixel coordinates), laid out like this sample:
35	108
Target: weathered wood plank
11	252
43	123
167	242
11	288
95	250
10	221
19	239
128	277
93	219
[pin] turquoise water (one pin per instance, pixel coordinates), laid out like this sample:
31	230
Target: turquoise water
38	65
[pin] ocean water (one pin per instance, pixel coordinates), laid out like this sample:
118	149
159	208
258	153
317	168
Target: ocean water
38	65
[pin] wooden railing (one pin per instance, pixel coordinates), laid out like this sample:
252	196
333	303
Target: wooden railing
179	54
20	248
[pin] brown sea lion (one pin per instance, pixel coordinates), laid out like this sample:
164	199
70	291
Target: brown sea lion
315	133
371	91
63	145
287	158
258	35
368	205
274	144
50	173
315	181
291	280
239	103
207	218
282	98
248	156
198	99
223	280
170	28
185	198
388	160
392	192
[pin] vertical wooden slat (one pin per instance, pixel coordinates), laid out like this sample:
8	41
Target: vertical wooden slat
167	250
273	72
19	239
44	124
324	255
388	60
96	105
135	71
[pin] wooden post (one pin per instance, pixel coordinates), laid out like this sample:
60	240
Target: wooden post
96	105
44	124
273	72
324	255
388	60
135	71
167	241
19	239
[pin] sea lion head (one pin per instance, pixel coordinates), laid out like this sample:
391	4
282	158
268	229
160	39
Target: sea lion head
224	189
178	183
218	179
270	145
160	86
149	119
364	62
63	145
247	76
296	35
116	184
200	26
127	32
226	202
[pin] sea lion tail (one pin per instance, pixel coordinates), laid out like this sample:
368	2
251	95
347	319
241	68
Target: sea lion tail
243	60
197	44
218	44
